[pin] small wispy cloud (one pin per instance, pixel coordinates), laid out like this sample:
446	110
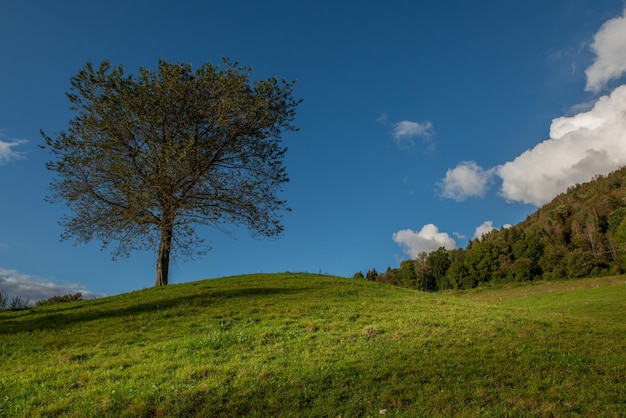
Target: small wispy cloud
405	132
33	288
8	151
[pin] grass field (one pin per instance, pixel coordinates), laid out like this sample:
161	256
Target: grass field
596	298
309	345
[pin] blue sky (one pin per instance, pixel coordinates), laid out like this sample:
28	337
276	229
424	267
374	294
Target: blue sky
422	123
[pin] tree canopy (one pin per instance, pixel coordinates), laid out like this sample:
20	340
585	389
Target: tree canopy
148	157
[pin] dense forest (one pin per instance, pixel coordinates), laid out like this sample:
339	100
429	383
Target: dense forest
581	233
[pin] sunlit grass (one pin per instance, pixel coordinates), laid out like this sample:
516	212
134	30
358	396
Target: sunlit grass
601	298
309	345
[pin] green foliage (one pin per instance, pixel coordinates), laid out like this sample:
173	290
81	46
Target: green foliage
523	269
371	275
456	274
390	276
438	264
406	275
616	218
424	279
72	297
620	241
481	261
3	299
304	345
147	157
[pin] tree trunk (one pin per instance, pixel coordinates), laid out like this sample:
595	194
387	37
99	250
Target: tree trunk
163	258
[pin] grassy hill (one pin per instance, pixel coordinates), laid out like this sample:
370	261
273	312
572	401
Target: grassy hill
310	345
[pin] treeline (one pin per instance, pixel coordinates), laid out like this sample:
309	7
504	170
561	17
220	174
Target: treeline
581	233
18	303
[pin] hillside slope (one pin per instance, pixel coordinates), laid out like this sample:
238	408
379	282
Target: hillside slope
306	345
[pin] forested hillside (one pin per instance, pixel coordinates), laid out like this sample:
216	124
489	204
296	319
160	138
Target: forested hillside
581	233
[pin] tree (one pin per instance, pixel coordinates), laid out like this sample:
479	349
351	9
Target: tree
481	261
371	275
422	271
620	241
439	263
391	276
457	276
406	275
146	158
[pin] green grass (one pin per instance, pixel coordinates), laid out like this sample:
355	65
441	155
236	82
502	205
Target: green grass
597	298
308	345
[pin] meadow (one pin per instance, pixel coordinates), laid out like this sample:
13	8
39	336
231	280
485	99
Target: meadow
303	345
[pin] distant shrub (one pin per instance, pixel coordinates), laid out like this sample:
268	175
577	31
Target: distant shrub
3	299
18	303
371	275
60	299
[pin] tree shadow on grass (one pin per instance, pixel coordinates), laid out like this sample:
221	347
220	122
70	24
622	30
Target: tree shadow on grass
37	319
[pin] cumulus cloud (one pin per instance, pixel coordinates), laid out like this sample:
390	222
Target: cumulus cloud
609	45
483	229
7	151
580	147
428	239
467	179
589	143
36	288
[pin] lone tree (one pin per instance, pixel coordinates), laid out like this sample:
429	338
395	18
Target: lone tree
148	157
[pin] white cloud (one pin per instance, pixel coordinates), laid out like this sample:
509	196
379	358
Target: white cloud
405	132
609	45
427	240
7	153
409	129
467	179
483	229
580	147
36	288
